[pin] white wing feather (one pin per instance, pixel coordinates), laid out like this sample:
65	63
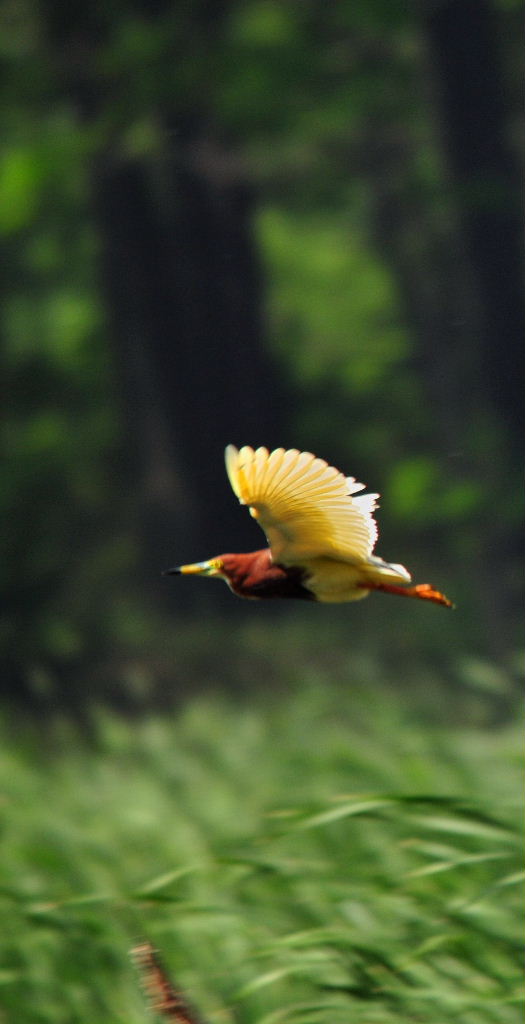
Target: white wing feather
306	508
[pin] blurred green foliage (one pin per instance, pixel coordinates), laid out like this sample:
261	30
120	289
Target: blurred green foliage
328	284
316	858
294	99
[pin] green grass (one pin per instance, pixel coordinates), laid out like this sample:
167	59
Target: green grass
322	857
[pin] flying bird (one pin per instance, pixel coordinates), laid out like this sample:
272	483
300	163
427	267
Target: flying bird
320	535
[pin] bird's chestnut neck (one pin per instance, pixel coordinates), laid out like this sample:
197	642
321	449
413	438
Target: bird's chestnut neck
241	570
255	575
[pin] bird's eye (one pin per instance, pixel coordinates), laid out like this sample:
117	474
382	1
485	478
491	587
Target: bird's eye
217	564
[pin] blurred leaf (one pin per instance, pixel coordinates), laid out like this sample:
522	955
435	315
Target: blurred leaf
20	187
345	811
414	488
163	881
485	676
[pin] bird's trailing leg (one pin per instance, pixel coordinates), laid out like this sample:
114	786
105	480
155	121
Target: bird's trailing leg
422	590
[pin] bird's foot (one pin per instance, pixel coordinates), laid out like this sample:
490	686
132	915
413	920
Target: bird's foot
422	590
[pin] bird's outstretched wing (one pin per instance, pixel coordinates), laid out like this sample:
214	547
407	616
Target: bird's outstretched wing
306	508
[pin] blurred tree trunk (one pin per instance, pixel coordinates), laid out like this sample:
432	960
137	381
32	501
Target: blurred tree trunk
455	256
184	289
183	292
463	38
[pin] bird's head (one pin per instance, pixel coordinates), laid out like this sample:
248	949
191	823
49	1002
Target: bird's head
240	571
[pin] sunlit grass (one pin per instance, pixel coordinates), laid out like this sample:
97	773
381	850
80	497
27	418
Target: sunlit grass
323	858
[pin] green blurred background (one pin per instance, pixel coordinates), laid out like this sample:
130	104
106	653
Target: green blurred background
262	223
281	223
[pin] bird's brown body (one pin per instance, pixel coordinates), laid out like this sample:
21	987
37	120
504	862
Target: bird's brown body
320	535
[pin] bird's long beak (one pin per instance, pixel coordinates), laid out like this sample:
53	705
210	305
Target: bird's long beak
210	568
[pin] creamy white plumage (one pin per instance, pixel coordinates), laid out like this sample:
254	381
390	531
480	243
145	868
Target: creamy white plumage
310	511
